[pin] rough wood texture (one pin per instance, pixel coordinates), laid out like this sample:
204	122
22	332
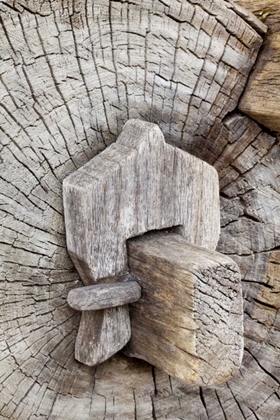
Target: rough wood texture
262	95
101	296
102	334
137	184
189	320
49	128
248	15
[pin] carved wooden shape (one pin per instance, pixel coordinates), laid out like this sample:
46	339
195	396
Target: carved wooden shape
189	320
91	300
102	296
102	334
138	184
80	70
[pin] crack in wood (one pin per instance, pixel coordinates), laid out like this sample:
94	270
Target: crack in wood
47	133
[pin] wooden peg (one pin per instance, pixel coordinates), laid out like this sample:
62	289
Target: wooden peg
189	320
102	296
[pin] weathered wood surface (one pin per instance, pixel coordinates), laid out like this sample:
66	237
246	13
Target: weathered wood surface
101	296
138	184
103	333
242	9
49	128
262	95
189	320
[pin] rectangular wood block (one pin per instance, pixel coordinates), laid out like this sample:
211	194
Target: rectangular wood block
138	184
189	320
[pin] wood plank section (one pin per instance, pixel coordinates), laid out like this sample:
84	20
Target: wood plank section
262	94
189	320
102	296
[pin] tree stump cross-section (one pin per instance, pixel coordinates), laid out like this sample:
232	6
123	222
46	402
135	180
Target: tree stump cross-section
71	75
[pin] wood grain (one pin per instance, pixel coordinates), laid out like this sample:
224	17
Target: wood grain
102	334
244	9
261	97
138	184
64	97
102	296
189	320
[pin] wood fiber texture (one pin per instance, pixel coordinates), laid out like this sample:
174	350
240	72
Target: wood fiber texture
189	320
138	184
102	333
100	296
262	95
57	65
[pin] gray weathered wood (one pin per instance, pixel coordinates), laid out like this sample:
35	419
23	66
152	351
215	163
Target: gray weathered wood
189	320
262	94
102	296
243	9
138	184
101	334
70	75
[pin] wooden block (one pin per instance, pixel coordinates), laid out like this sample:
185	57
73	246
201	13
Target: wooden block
94	344
138	184
102	334
102	296
189	320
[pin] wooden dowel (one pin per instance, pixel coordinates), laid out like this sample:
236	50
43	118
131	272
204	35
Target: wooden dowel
102	296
